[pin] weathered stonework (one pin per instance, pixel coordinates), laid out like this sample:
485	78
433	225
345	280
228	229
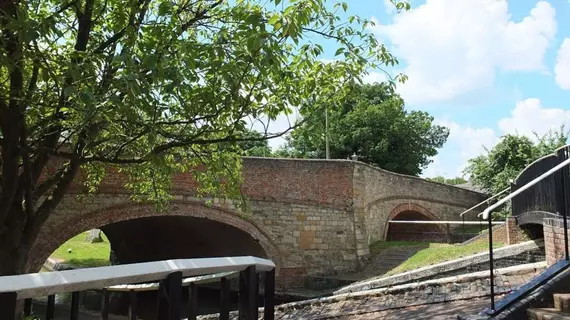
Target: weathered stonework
312	217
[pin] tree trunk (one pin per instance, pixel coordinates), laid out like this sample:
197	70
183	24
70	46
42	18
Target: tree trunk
94	236
13	262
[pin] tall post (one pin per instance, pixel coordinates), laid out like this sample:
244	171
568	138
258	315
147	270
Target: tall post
327	149
565	175
491	271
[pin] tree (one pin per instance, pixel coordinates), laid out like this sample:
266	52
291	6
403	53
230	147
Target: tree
494	170
451	181
373	124
151	88
255	145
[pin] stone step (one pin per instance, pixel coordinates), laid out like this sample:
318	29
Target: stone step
562	302
547	314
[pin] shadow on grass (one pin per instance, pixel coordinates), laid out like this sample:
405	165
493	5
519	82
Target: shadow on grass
87	263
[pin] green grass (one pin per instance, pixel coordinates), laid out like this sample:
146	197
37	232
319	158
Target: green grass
83	253
431	253
382	245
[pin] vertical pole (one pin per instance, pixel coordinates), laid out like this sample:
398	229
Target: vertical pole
192	301
463	218
132	305
170	297
269	303
565	188
74	312
50	309
27	307
174	291
491	271
8	305
224	299
105	305
247	299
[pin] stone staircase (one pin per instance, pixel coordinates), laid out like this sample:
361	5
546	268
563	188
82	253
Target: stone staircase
561	310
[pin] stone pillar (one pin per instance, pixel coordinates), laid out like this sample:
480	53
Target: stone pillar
553	240
513	231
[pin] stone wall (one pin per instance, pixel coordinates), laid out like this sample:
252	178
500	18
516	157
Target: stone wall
312	217
380	195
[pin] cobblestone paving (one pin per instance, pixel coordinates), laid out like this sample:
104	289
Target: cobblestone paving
438	311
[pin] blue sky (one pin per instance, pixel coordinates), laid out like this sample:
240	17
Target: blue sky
482	68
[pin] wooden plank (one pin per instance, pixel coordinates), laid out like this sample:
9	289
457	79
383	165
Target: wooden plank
8	305
269	299
48	283
225	299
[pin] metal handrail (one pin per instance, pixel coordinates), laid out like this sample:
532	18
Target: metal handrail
499	203
484	201
487	216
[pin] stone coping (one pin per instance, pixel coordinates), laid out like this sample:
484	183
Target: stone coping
469	277
447	266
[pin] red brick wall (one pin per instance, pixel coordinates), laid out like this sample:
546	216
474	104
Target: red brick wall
327	183
553	240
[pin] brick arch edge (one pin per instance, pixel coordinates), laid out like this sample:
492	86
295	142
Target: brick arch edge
408	207
61	232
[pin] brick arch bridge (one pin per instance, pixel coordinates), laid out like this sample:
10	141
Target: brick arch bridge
312	217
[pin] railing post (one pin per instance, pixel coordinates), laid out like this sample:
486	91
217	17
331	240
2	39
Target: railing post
170	297
491	263
132	305
192	301
105	304
27	307
74	311
8	305
269	303
247	298
50	308
562	197
463	218
565	188
225	299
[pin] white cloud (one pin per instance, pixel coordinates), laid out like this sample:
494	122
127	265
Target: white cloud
530	116
471	141
562	66
527	116
373	77
454	47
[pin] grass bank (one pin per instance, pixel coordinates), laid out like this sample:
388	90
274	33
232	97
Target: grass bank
83	253
430	253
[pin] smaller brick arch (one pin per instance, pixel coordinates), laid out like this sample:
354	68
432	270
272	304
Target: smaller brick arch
63	231
409	207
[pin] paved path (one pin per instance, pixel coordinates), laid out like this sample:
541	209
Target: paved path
438	311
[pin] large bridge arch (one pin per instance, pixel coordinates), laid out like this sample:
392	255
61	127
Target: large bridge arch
411	212
116	214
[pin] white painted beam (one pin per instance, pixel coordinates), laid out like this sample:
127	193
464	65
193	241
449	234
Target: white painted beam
48	283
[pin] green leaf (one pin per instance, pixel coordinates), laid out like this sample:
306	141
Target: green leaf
274	18
69	90
339	51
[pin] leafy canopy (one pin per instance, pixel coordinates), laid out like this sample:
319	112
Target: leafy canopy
494	170
451	181
373	124
154	87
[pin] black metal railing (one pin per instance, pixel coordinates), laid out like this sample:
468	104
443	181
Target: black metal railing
561	177
175	282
